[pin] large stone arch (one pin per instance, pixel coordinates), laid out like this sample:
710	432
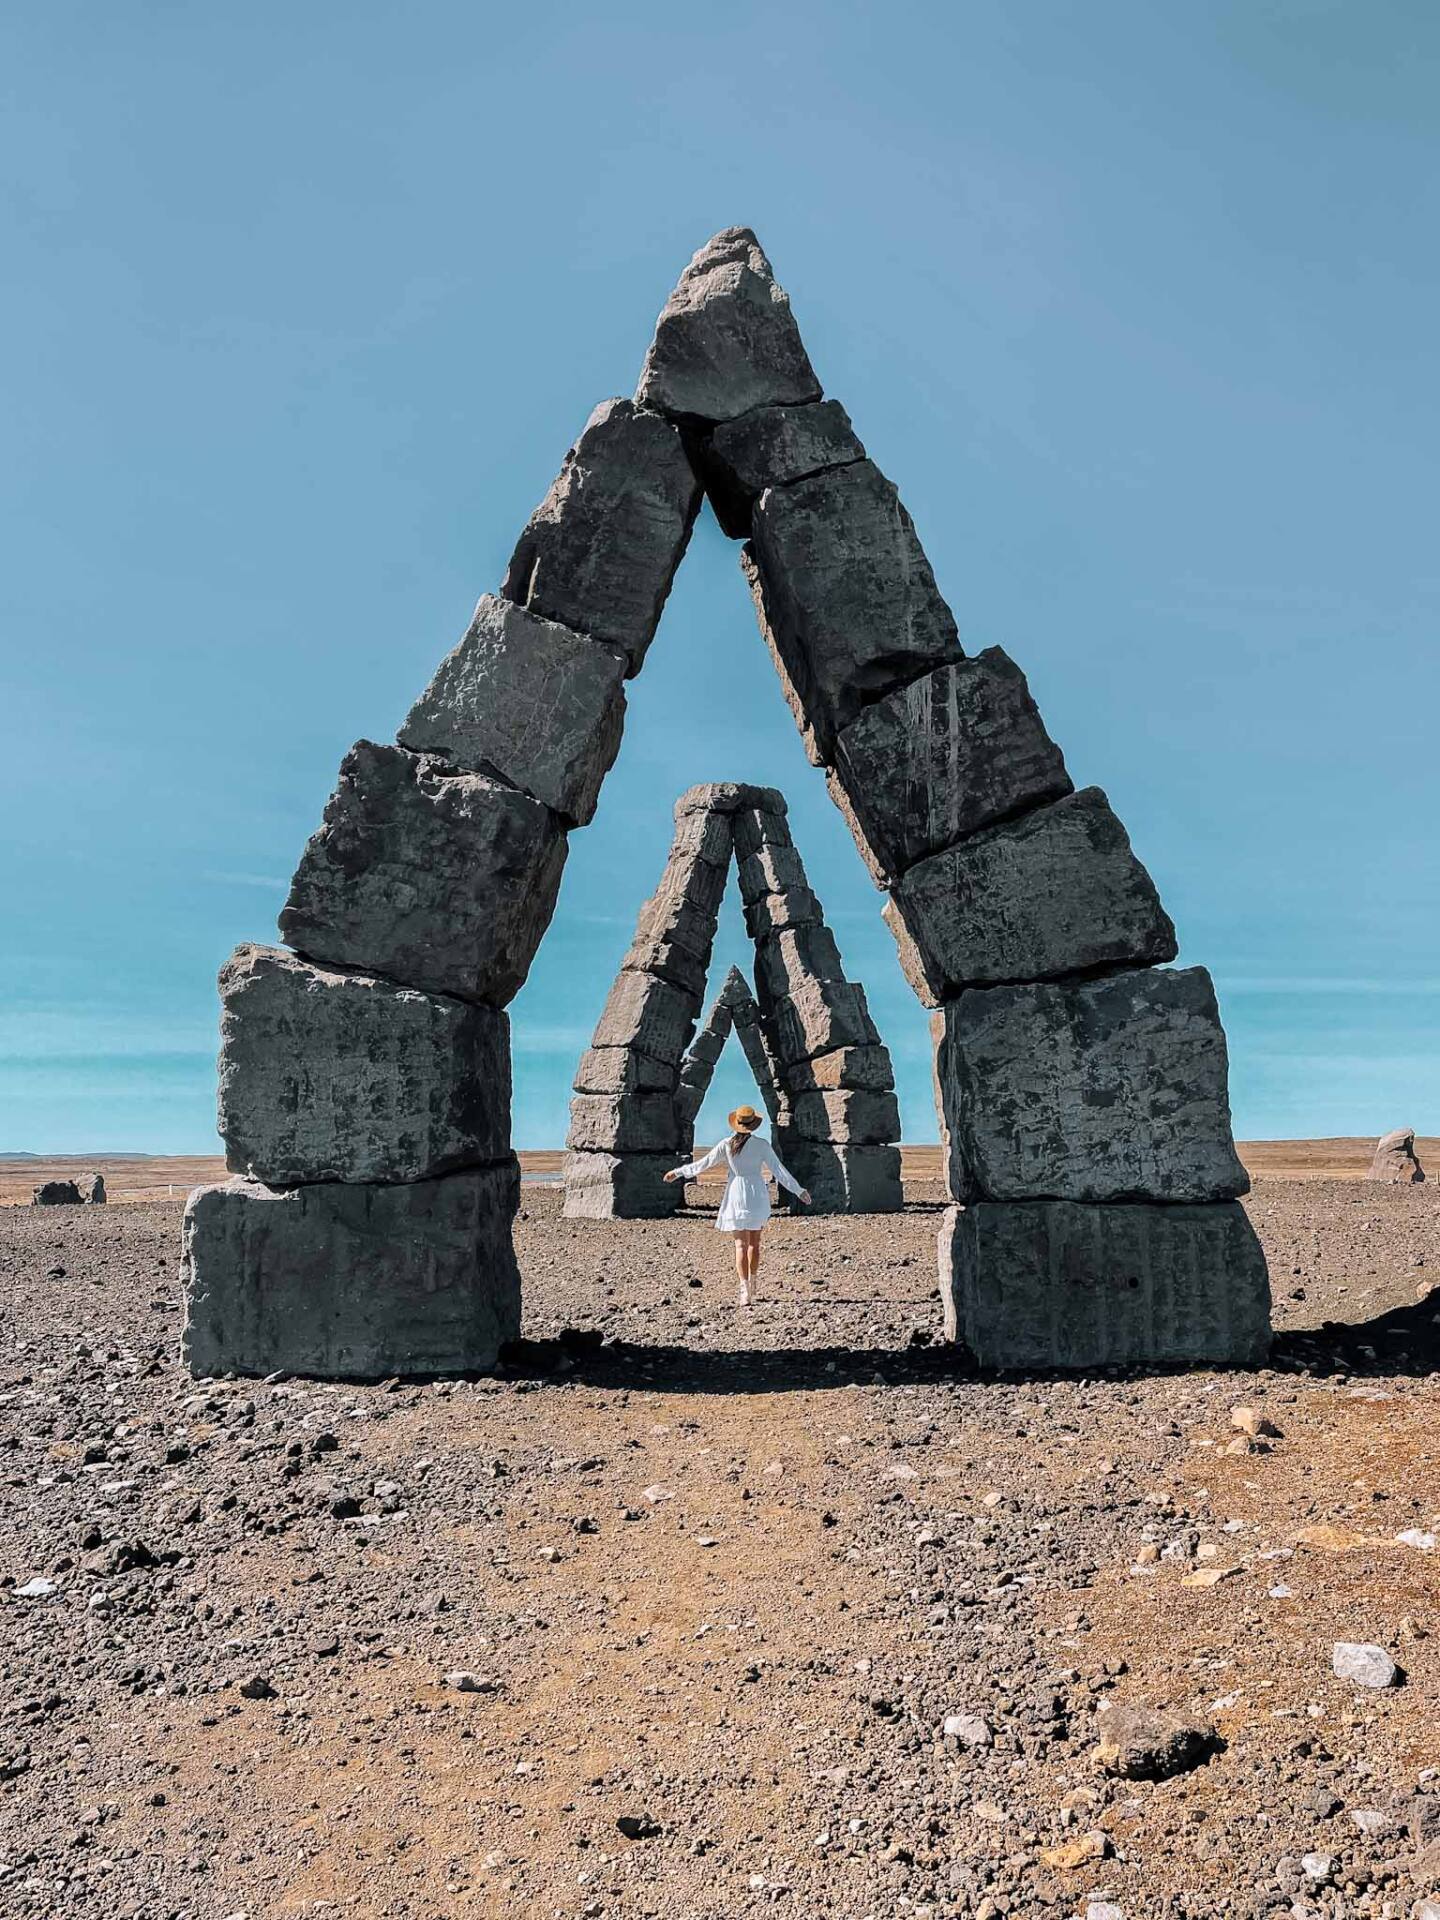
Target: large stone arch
365	1075
821	1067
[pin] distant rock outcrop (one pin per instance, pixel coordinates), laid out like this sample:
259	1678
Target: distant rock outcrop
97	1195
56	1193
1395	1160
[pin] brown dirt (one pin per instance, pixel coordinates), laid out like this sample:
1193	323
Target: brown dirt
730	1571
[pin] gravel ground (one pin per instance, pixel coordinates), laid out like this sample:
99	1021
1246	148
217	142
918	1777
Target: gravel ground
718	1580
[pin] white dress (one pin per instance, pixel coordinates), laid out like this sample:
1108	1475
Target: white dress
746	1204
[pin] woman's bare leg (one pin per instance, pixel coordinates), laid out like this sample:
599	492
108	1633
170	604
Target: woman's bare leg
742	1267
755	1253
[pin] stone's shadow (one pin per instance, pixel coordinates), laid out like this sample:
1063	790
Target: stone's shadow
1404	1341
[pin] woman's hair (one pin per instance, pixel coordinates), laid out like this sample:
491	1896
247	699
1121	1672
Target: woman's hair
738	1139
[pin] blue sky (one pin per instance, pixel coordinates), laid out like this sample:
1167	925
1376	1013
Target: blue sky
1136	303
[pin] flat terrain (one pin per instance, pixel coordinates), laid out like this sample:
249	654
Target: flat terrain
721	1576
137	1178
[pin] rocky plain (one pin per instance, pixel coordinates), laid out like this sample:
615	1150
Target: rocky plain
694	1611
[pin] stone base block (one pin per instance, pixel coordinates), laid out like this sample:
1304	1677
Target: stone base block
1057	1284
352	1282
844	1179
624	1123
620	1186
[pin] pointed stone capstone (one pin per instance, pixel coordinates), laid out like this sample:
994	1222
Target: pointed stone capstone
600	551
1054	1284
352	1282
529	702
443	881
328	1075
726	340
1108	1089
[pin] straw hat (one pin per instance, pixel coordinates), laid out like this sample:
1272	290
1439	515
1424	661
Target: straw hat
746	1118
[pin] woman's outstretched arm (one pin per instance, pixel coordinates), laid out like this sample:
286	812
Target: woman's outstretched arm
697	1167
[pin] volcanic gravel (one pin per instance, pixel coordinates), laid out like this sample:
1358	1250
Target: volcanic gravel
697	1611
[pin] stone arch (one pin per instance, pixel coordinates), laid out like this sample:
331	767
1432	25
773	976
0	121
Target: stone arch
365	1075
822	1070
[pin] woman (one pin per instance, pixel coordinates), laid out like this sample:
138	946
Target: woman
746	1205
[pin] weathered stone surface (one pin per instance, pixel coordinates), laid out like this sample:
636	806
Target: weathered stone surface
854	1118
942	758
621	1070
627	1186
703	836
860	1068
785	961
756	827
770	869
93	1193
1053	1284
624	1123
817	1018
729	796
57	1193
1139	1743
668	959
772	447
352	1282
845	1179
649	1015
601	549
668	919
726	340
709	1043
759	1059
344	1076
1058	891
792	907
443	881
1395	1160
1109	1089
847	602
528	701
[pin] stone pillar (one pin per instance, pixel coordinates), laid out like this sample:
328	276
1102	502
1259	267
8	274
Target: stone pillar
1082	1091
365	1075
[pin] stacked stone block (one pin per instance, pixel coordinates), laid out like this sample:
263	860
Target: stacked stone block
365	1073
1082	1087
839	1139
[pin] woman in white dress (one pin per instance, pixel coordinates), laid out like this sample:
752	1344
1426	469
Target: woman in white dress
746	1205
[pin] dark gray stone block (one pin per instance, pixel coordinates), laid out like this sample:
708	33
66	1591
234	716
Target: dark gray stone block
601	549
817	1018
770	869
620	1186
532	703
847	602
844	1179
729	796
344	1076
622	1070
866	1068
649	1015
624	1123
442	881
57	1193
850	1118
786	961
1054	1284
756	827
726	340
669	960
942	758
1110	1089
772	447
1056	892
703	836
352	1282
794	907
668	920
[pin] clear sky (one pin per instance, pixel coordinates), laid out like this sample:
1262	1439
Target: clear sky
1136	303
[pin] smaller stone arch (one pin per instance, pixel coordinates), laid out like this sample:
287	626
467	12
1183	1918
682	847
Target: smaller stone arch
823	1072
